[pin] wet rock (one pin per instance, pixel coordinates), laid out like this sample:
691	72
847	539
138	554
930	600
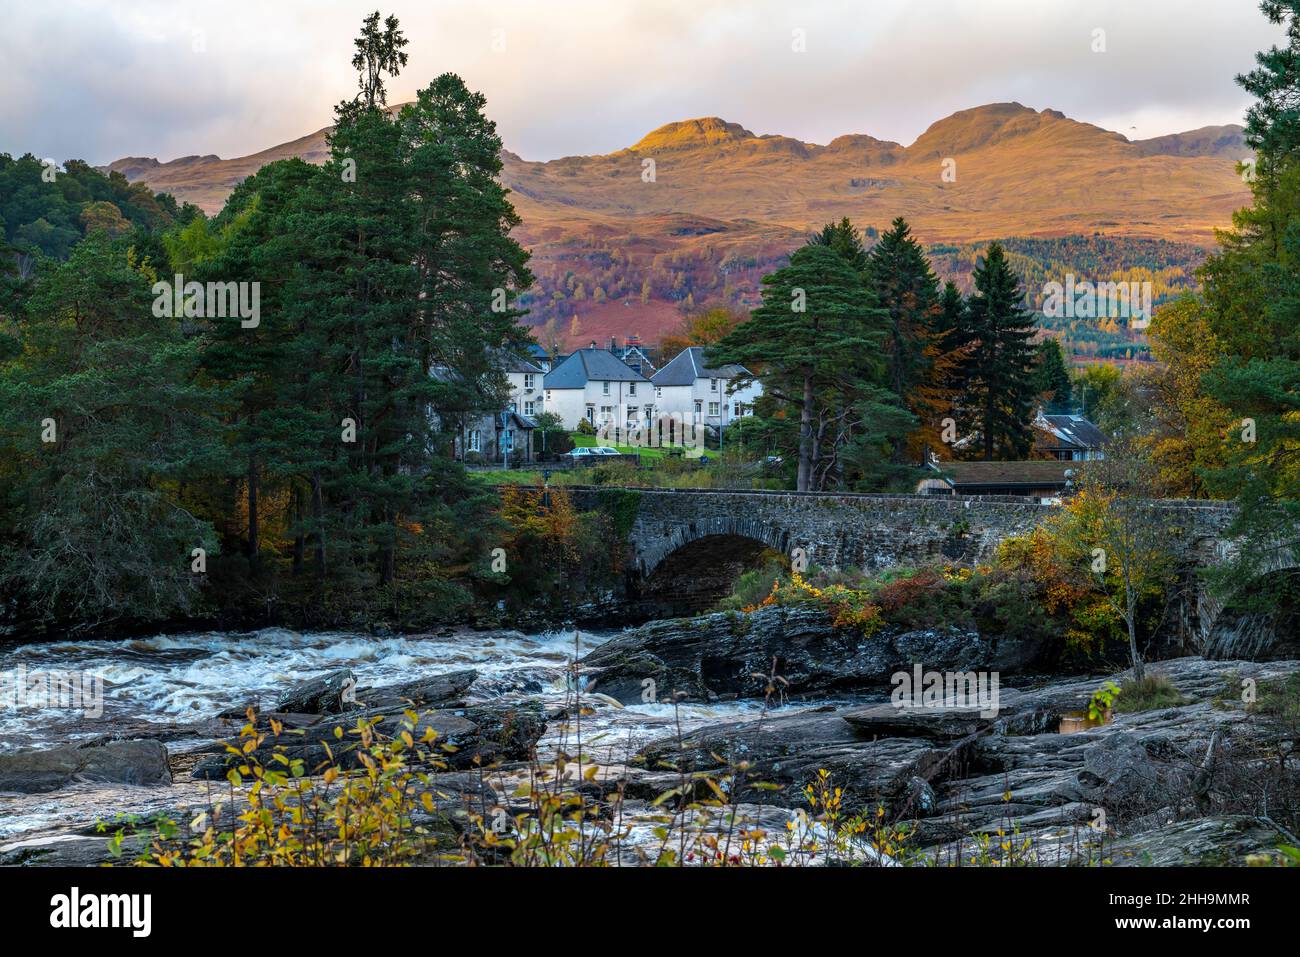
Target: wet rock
956	773
468	737
432	692
455	796
323	695
729	654
121	762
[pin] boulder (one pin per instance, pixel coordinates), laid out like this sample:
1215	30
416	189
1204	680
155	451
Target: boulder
323	695
120	762
729	654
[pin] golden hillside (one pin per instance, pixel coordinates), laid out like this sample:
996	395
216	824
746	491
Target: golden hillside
724	204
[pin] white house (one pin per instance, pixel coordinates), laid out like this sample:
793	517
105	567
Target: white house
687	387
525	380
594	384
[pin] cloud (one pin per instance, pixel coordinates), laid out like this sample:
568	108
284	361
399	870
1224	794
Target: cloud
99	80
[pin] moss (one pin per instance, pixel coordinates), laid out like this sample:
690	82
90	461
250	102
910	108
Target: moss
621	506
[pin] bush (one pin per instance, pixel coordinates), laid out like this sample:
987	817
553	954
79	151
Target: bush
1150	694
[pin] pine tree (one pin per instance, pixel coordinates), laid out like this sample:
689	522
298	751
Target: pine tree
1052	378
998	401
102	423
816	338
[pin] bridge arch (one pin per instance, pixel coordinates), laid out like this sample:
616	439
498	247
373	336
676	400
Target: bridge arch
692	566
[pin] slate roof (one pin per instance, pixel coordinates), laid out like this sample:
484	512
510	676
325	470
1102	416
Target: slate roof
590	365
1072	430
688	365
510	362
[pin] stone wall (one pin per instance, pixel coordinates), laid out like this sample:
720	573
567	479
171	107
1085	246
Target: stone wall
694	541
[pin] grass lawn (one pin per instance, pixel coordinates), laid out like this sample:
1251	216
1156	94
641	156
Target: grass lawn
648	455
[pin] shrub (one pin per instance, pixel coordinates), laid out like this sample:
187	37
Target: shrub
1150	694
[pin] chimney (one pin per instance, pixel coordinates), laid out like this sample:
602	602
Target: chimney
593	343
613	344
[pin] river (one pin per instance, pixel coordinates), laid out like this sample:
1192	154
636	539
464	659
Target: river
189	678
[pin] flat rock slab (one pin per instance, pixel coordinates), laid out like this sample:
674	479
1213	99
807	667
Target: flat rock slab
120	762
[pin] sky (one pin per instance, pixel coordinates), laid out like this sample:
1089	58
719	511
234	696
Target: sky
168	78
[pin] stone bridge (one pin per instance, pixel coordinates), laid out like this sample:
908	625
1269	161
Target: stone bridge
689	545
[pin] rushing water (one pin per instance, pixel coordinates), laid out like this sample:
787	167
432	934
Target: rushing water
186	679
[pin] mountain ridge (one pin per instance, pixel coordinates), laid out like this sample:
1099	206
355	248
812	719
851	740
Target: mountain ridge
621	245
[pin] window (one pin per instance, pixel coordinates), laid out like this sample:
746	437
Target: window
530	408
548	395
713	408
699	406
713	385
473	440
659	392
631	388
604	387
528	379
508	440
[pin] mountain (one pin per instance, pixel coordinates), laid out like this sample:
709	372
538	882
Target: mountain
696	211
1225	142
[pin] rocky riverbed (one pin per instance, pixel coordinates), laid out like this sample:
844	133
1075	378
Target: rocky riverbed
754	705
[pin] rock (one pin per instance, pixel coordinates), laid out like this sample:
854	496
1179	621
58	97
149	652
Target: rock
323	695
454	797
1215	841
468	737
728	654
432	692
1074	797
120	762
506	732
789	750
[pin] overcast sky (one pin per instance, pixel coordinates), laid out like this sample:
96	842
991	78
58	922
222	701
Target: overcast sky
167	78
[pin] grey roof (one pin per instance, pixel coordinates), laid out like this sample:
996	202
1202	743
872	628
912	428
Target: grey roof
510	362
590	365
1075	430
688	365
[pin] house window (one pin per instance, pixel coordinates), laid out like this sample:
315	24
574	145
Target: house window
713	409
659	392
606	413
508	440
631	388
713	385
474	440
604	387
699	406
548	395
528	380
530	408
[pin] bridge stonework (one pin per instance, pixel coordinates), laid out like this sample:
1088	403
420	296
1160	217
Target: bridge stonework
697	540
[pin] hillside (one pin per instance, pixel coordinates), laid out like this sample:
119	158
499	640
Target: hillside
725	204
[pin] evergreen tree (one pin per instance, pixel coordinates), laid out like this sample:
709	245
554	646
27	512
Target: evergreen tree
816	339
1052	378
101	425
998	402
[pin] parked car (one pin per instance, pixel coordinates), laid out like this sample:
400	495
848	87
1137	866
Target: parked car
604	450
